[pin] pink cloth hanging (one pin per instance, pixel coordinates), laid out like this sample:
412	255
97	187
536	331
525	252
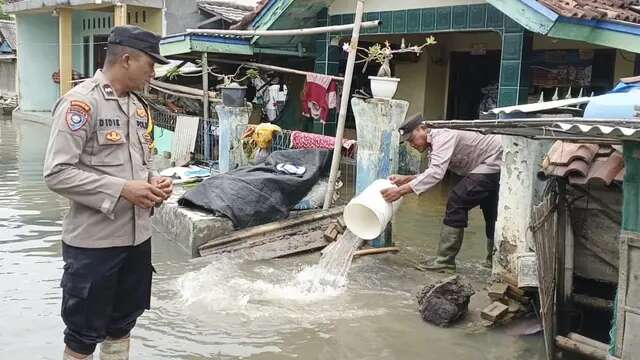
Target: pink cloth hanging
319	97
305	140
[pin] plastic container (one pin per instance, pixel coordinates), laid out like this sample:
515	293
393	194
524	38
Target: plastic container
233	95
368	214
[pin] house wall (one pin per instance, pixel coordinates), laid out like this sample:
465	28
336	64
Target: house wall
182	15
37	61
7	77
348	6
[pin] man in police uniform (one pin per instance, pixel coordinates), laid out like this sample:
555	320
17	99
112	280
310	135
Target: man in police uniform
99	157
475	157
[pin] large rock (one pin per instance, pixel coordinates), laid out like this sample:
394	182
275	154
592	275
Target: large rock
446	301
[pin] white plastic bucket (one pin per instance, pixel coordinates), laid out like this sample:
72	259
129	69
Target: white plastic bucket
368	214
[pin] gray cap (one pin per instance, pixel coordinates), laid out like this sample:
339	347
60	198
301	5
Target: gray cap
409	125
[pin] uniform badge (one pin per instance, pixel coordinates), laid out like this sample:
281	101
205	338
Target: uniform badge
141	112
108	90
113	136
78	115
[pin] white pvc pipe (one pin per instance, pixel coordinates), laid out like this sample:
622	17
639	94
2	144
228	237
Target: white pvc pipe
368	214
289	32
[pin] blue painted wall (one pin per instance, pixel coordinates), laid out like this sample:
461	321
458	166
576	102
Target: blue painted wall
37	61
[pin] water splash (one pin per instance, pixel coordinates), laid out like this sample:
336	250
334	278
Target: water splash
226	281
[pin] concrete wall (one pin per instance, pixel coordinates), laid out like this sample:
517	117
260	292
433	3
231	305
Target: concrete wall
7	77
413	86
181	15
37	61
349	6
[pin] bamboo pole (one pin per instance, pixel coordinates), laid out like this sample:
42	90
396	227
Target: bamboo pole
271	67
357	25
180	89
588	351
593	302
344	104
376	251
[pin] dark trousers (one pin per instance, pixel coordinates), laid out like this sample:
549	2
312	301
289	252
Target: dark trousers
474	190
104	291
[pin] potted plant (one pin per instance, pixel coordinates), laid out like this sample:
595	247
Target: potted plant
233	94
384	85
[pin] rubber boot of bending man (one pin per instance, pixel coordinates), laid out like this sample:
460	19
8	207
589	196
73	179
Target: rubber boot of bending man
448	247
72	355
488	263
115	349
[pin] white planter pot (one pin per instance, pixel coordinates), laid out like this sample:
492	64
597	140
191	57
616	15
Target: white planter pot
383	87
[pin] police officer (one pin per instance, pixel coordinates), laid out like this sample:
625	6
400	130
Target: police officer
99	157
474	156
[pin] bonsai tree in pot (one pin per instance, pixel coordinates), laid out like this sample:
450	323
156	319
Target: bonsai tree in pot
233	94
384	85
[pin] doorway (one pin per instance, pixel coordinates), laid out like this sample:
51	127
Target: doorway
473	81
99	50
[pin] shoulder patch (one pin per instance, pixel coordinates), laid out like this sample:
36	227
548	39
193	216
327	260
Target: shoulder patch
77	115
141	112
81	104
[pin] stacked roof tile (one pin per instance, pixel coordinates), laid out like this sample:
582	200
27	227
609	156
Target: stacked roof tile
583	164
621	10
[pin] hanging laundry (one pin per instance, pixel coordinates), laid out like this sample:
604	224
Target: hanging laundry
304	140
274	99
264	133
318	97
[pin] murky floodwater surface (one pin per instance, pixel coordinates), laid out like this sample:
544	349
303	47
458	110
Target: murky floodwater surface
225	308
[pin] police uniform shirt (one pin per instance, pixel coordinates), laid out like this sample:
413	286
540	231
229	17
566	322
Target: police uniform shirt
97	143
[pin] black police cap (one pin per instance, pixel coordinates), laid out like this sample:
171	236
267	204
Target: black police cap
139	39
408	126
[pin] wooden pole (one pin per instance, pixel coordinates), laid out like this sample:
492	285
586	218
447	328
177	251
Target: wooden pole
364	252
291	32
66	52
120	15
205	105
344	104
271	67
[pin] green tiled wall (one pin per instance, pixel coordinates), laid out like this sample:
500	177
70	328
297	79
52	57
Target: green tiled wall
327	57
516	42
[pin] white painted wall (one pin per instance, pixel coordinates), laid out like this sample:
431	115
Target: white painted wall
348	6
520	190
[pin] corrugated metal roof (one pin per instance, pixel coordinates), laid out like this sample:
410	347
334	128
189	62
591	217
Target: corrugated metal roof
231	11
8	31
537	107
600	130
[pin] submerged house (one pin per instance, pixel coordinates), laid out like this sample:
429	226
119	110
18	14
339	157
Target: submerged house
8	56
61	42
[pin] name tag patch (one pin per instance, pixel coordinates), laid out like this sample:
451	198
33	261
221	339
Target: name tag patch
77	115
108	122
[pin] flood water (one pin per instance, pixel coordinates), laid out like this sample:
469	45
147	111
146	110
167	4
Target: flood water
225	308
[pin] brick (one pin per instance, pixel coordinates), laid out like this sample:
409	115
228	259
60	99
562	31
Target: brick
494	312
498	291
332	233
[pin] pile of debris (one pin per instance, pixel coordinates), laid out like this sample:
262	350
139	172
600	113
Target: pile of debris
445	302
509	302
8	103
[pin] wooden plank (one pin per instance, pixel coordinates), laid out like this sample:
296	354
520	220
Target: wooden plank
590	352
270	227
588	341
622	293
